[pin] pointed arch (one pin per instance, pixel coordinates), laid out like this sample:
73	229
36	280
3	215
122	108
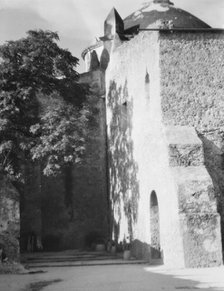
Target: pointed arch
154	226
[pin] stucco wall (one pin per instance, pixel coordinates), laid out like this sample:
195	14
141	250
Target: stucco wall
156	84
139	160
192	91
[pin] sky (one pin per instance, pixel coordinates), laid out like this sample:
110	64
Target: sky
79	22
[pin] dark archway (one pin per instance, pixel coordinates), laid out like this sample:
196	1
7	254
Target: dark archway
154	226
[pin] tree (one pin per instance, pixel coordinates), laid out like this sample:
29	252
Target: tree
42	108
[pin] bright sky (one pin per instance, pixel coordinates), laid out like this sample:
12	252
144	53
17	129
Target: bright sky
78	22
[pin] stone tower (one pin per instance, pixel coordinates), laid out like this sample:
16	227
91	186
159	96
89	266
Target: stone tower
164	112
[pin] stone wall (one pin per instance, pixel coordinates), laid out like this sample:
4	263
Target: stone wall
150	97
89	199
68	209
139	159
9	219
199	220
192	92
30	204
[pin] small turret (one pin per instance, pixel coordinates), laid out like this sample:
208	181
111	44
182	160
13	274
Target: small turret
113	24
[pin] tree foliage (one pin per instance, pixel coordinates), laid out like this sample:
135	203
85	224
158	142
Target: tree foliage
60	132
42	111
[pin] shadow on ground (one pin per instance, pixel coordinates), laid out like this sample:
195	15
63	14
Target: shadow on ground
37	286
114	278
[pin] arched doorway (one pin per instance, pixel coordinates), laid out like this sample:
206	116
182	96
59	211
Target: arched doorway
154	226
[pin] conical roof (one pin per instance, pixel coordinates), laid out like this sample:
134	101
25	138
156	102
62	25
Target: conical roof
152	14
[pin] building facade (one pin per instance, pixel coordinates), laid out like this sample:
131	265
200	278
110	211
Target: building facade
164	111
153	170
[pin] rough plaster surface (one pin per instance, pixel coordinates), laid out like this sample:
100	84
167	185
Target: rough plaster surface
201	238
185	148
9	219
192	81
195	190
199	221
192	92
139	154
153	145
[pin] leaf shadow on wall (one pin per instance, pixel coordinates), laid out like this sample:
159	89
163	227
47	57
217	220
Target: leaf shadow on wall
124	185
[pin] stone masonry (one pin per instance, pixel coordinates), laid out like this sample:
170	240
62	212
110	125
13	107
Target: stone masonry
165	133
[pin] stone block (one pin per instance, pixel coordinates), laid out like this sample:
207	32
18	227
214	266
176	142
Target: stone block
201	239
184	147
194	189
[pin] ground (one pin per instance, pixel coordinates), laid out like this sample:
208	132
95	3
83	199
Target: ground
116	278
